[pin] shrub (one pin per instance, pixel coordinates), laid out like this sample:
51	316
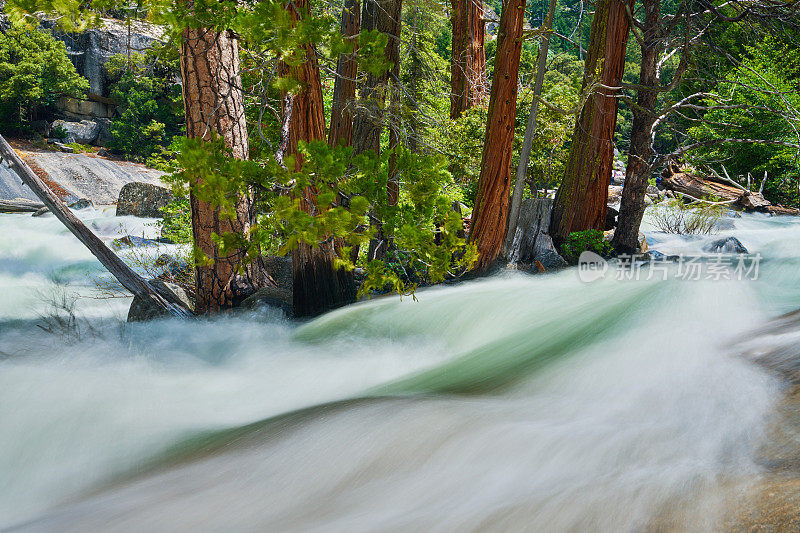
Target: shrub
145	88
678	217
34	72
581	241
177	222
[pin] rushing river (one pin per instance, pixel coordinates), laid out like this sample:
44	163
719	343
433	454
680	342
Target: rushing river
536	403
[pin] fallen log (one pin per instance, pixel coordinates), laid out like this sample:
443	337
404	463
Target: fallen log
19	205
121	271
713	187
780	210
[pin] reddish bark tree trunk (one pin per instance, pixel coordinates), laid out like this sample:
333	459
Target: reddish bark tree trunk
214	105
626	236
344	88
318	285
468	57
580	203
489	217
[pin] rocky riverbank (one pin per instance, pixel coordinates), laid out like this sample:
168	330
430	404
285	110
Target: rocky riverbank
74	176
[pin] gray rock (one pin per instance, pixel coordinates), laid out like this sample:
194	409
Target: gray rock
614	194
652	190
270	296
280	269
83	132
81	203
143	308
92	177
611	217
91	49
104	135
84	109
42	127
64	148
143	200
132	241
728	245
551	260
11	186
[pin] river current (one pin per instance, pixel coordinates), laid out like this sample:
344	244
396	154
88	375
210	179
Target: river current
513	403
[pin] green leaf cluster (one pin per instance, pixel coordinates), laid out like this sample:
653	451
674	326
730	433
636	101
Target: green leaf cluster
762	102
34	72
591	240
150	109
341	198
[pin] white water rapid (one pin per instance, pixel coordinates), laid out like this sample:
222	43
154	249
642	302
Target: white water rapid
515	403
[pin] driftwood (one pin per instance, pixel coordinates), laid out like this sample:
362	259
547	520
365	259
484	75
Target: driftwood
19	205
714	186
124	274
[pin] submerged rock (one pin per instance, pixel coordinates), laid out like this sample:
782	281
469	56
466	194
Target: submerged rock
143	308
728	245
81	203
132	241
143	200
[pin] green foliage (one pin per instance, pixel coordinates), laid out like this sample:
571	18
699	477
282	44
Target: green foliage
151	110
349	206
464	137
581	241
34	72
682	218
762	103
177	222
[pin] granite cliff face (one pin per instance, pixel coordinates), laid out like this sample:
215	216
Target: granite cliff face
90	50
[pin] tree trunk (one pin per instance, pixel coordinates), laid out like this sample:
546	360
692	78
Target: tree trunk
384	16
415	75
580	203
489	217
530	129
626	236
318	285
214	104
344	88
468	57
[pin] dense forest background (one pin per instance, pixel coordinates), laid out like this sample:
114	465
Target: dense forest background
394	192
